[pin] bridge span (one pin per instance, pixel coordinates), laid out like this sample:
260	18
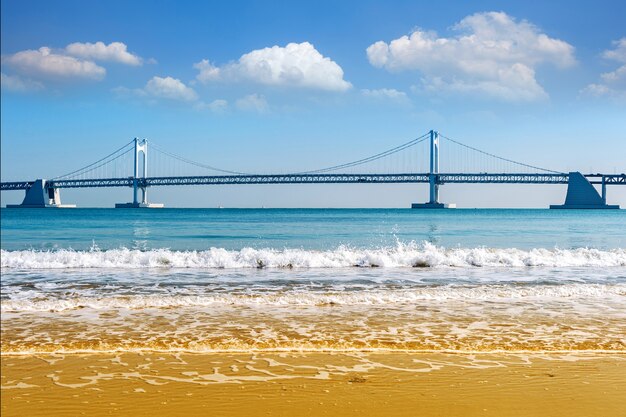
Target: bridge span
581	191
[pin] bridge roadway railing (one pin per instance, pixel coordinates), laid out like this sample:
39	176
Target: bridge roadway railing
16	185
442	178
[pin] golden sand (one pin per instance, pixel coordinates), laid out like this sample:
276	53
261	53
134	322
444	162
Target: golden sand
315	384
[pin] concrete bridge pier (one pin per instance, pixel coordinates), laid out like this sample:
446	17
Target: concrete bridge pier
581	194
40	196
433	203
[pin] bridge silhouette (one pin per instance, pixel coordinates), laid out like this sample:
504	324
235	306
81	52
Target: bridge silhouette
416	161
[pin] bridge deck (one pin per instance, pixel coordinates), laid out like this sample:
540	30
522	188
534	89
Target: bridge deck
445	178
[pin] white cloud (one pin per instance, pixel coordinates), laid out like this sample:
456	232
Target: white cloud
385	93
18	84
207	71
512	84
619	53
216	106
295	65
115	51
614	82
169	88
493	55
253	102
615	77
44	62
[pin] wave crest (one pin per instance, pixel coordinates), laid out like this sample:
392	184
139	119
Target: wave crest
403	255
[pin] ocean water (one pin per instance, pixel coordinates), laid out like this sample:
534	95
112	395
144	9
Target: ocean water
309	279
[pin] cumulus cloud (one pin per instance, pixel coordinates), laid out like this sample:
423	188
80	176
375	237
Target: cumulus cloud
115	52
253	102
613	83
169	88
18	84
44	62
160	88
492	55
207	71
295	65
385	93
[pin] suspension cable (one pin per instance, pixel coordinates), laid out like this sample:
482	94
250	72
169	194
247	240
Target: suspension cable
371	158
106	162
189	161
78	171
499	157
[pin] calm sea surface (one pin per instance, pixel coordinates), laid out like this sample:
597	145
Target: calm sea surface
315	229
239	279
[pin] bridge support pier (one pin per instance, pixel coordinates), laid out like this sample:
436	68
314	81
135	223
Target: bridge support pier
581	194
39	196
143	148
433	203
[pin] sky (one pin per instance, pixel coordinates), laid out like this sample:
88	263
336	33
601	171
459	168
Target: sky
283	86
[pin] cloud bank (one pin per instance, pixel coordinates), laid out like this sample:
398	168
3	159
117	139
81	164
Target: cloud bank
492	55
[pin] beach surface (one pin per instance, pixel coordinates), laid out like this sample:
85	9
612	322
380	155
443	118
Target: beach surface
314	384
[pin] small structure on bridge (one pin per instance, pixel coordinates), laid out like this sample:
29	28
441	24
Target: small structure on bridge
581	194
143	148
40	196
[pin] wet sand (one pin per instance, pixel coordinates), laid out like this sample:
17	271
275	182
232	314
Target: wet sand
315	384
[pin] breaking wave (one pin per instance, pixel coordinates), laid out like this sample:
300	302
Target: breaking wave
402	255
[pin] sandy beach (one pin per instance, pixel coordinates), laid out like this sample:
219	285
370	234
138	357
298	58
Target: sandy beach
315	384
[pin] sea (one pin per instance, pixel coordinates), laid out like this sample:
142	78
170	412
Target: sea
233	280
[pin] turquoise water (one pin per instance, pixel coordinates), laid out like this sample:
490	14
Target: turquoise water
315	229
311	278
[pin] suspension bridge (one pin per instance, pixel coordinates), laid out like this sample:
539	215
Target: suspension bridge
416	161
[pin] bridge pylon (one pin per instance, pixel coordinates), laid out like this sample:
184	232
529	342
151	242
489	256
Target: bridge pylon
581	194
433	177
141	146
40	195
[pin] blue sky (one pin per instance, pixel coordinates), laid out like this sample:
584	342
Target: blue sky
284	86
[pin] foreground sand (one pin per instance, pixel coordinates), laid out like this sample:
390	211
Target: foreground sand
314	384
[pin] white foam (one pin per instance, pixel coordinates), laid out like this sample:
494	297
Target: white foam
401	255
379	297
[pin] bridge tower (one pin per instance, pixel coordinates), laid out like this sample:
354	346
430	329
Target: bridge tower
141	146
40	195
581	194
433	176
